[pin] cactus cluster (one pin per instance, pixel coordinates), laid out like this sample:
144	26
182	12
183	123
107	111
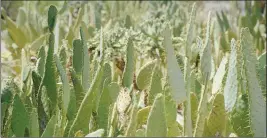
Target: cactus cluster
119	77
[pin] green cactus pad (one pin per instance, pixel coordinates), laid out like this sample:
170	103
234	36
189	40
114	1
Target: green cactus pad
256	101
34	124
219	76
217	116
114	90
79	93
240	118
231	84
170	110
128	72
155	85
262	72
194	106
63	57
49	80
175	75
52	16
205	55
65	82
77	59
156	122
103	107
86	63
19	119
131	129
106	75
84	113
174	130
72	107
41	61
144	75
142	116
50	128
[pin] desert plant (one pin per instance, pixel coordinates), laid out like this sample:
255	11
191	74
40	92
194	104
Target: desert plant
136	78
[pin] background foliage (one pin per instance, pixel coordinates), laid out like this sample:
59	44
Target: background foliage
134	68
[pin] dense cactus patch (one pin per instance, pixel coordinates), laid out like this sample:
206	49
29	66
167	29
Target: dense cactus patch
133	69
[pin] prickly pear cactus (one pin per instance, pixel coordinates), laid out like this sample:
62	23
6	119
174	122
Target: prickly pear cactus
194	105
205	54
84	113
132	69
106	77
219	76
41	61
142	115
155	85
240	118
133	122
77	59
52	16
174	72
49	80
63	56
33	123
205	66
113	121
19	119
86	59
50	128
76	81
156	122
143	78
170	109
103	108
113	89
231	84
128	73
72	107
217	117
256	102
261	70
174	130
